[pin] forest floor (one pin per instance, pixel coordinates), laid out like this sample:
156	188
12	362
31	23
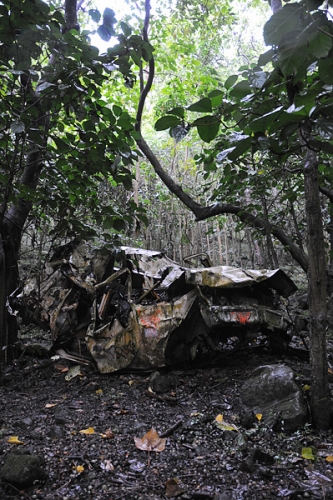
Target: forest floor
199	461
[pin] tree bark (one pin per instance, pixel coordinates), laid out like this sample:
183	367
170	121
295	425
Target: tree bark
276	5
14	218
321	406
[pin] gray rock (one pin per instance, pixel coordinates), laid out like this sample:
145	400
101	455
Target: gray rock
61	417
22	469
273	391
25	423
55	432
160	383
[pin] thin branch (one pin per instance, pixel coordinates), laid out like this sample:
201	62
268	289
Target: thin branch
151	71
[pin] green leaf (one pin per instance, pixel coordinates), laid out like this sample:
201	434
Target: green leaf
208	127
266	58
167	121
125	29
136	57
202	106
241	148
104	33
230	81
320	44
262	124
216	97
95	15
178	111
241	89
292	53
109	19
313	4
282	22
257	79
325	70
117	110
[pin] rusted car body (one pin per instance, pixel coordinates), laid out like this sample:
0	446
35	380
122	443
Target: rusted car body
132	308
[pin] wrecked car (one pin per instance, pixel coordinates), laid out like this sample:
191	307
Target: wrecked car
132	308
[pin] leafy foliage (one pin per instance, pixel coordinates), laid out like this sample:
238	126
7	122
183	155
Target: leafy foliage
56	104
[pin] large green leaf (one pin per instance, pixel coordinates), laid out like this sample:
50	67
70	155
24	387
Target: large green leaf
178	111
325	70
266	58
167	121
216	97
202	106
263	123
208	127
282	22
95	15
241	148
320	43
104	32
292	53
230	81
241	89
109	18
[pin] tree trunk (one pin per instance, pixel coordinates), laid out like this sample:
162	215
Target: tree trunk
13	219
275	5
317	291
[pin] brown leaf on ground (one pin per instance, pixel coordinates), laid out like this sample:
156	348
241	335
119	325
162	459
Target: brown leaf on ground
172	488
151	441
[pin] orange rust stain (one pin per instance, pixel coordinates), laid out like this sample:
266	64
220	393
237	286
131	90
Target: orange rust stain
151	320
242	317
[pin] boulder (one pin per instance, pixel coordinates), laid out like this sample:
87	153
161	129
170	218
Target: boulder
22	469
272	391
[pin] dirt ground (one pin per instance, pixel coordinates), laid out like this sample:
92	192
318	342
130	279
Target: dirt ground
199	461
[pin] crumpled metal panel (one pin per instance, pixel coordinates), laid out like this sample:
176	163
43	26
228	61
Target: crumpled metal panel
240	316
227	277
142	343
126	303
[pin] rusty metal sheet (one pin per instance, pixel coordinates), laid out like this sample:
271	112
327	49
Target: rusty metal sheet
227	277
240	316
132	306
142	343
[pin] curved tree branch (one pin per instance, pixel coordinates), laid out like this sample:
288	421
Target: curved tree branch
200	211
151	71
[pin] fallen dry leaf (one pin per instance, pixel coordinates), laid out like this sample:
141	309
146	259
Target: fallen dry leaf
90	430
307	453
108	434
259	416
224	425
172	488
50	405
74	371
14	440
79	468
151	441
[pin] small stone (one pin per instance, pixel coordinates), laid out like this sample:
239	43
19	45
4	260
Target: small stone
55	432
25	423
22	469
160	383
